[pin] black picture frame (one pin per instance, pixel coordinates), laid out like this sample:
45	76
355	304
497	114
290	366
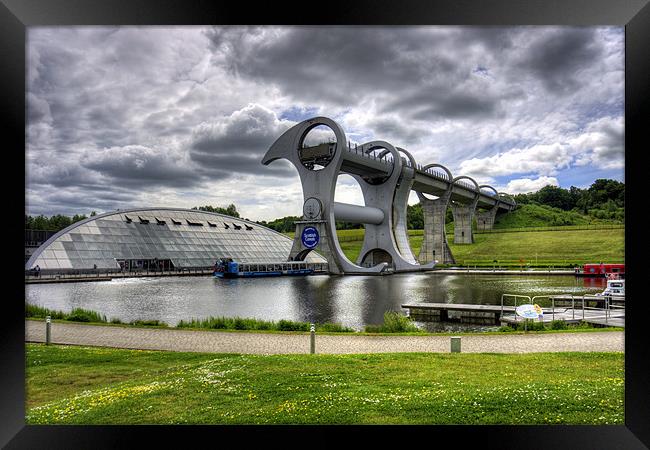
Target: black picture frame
16	15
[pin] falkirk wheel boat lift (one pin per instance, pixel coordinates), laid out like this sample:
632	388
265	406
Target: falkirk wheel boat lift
386	175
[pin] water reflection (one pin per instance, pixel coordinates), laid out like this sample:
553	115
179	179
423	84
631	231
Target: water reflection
352	301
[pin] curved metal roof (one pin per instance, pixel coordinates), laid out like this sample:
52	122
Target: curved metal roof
209	217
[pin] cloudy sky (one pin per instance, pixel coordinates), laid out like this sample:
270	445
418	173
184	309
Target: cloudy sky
121	117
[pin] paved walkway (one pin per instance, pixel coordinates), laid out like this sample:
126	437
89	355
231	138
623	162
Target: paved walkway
268	343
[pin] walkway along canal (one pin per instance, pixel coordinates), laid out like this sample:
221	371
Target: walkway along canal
276	343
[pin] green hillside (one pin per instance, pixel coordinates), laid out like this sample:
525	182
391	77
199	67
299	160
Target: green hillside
540	216
558	247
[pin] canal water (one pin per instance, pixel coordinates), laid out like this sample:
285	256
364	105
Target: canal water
352	301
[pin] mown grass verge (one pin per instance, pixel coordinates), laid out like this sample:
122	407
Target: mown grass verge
80	385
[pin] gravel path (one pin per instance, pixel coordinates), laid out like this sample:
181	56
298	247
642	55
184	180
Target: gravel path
267	343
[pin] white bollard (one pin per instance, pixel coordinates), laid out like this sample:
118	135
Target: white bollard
48	325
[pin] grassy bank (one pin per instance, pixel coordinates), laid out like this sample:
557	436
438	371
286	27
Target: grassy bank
82	315
394	323
239	323
78	385
563	247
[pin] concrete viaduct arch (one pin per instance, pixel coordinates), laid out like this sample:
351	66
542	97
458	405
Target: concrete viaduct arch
485	218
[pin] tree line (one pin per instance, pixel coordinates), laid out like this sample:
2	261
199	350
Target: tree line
604	199
58	222
54	223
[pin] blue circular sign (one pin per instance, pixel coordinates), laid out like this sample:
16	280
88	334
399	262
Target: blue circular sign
310	237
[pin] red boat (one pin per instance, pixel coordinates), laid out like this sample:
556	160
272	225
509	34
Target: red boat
601	270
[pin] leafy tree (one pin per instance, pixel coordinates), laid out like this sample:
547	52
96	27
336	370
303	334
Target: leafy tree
230	210
554	196
415	217
282	225
55	223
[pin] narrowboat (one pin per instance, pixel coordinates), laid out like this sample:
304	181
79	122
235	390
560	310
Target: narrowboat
227	268
601	270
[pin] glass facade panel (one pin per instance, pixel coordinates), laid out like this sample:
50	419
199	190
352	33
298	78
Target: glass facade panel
102	240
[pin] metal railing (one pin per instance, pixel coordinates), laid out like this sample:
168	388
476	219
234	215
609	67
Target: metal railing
606	299
102	273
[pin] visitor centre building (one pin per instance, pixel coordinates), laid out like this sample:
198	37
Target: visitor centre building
160	239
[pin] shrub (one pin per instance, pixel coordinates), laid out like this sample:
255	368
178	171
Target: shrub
558	325
287	325
239	324
85	315
333	328
394	322
41	312
506	328
148	323
530	326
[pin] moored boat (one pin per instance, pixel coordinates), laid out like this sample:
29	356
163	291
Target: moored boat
227	268
615	288
600	270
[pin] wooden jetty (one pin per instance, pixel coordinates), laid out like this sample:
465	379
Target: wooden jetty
460	312
505	315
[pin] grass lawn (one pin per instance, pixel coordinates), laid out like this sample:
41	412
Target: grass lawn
545	248
81	385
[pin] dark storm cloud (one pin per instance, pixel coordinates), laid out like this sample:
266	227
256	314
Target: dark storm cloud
429	105
418	73
333	64
59	174
557	58
237	143
81	199
141	166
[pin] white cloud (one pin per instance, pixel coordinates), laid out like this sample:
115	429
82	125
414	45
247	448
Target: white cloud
539	159
525	185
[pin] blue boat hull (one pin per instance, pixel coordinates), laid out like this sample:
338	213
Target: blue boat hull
262	274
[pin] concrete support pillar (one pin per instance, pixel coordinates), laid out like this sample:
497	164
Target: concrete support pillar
485	219
434	242
463	217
